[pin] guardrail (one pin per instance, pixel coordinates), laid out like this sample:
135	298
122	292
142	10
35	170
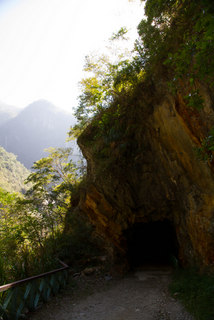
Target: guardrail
20	297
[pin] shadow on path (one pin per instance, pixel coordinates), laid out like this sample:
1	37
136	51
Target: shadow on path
142	295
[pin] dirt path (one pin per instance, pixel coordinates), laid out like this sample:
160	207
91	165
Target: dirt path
142	295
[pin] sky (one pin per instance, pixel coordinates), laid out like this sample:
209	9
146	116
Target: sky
43	44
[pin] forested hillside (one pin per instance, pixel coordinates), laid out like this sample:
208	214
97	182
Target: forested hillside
12	172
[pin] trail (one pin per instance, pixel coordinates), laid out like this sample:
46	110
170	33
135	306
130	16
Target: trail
142	295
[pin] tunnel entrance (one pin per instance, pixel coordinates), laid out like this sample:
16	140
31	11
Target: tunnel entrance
151	243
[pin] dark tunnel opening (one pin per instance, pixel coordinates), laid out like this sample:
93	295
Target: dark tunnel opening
151	243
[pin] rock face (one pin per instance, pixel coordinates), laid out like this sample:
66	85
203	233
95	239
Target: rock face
143	169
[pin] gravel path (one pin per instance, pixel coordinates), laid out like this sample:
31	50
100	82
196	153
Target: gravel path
142	295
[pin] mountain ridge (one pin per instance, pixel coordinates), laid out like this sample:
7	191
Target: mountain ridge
38	126
7	112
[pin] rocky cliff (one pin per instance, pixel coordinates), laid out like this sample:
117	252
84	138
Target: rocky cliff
143	169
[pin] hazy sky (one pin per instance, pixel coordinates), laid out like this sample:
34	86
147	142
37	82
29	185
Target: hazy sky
43	44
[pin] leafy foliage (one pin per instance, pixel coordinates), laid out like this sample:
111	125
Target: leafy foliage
53	177
120	34
108	77
32	226
11	235
179	34
176	38
96	89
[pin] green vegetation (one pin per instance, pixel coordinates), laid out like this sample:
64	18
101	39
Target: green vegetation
32	226
107	78
205	151
196	291
179	34
11	234
12	172
175	40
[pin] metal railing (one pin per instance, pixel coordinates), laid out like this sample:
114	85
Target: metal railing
20	297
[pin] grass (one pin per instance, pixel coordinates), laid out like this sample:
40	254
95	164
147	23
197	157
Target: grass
195	291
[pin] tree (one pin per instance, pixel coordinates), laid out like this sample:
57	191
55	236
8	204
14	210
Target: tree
30	224
107	77
53	180
11	235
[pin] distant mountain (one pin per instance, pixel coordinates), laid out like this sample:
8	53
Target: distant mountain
12	172
7	112
40	125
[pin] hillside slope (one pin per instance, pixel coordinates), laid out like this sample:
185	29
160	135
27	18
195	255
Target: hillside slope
12	172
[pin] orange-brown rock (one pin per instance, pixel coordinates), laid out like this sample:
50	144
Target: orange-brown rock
143	167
